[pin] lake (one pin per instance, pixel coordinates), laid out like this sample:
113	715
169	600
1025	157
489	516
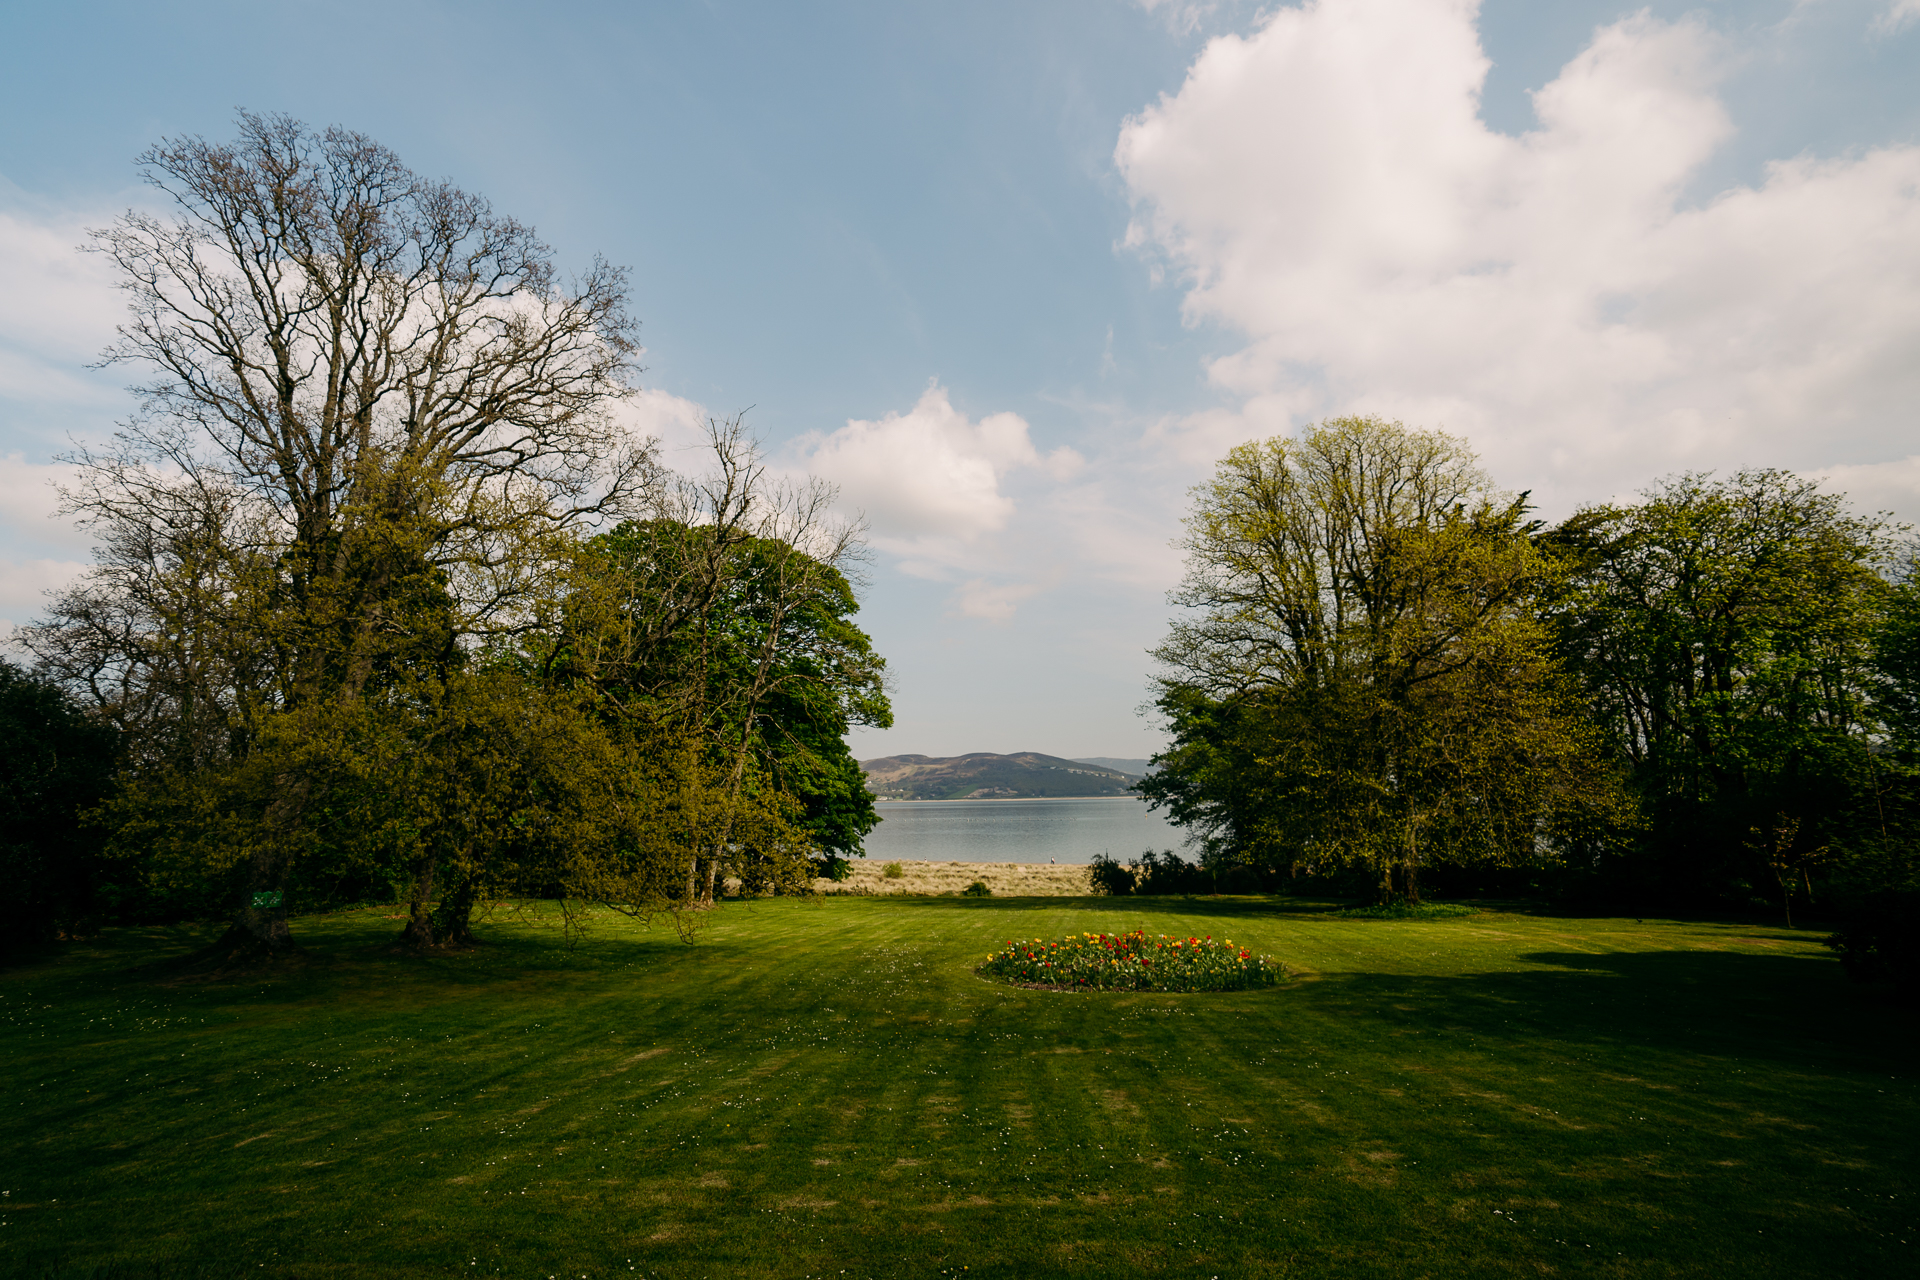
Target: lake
1066	831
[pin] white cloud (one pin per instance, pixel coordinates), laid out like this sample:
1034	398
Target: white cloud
1875	486
58	309
930	480
29	504
1325	188
935	488
992	601
1897	15
679	424
24	585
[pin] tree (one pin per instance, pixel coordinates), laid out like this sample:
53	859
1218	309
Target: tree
729	623
1363	679
1724	633
57	765
376	414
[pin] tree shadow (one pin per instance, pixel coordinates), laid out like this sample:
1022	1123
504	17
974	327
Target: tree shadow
1791	1009
1152	905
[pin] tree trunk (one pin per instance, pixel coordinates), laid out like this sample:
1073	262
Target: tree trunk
418	933
453	921
259	931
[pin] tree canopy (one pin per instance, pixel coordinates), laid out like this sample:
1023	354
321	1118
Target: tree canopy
1361	676
365	501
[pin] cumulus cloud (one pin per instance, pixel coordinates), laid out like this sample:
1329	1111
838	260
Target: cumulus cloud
679	424
1325	188
937	489
931	477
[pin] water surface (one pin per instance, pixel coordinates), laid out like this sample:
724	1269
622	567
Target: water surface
1058	830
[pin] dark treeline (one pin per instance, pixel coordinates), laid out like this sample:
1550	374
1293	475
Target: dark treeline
388	603
1388	675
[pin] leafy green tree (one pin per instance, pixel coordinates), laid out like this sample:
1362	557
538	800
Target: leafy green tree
1363	678
730	623
1724	632
1876	888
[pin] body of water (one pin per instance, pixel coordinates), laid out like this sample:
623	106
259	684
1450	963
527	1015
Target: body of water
1064	831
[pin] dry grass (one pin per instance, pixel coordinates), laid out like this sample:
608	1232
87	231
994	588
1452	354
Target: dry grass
1006	879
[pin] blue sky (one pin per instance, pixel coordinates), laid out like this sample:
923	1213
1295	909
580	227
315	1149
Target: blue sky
1013	275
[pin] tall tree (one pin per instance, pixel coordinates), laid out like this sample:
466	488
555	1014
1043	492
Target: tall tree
729	622
375	410
1724	631
1362	678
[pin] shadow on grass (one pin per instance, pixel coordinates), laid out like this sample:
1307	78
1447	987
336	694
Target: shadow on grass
346	950
1221	906
1792	1009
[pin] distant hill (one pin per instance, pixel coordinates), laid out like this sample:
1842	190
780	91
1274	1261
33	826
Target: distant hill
985	776
1138	768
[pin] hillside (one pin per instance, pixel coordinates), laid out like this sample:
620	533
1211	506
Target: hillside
1137	767
983	775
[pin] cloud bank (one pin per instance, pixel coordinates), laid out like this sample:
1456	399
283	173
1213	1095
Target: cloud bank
1324	188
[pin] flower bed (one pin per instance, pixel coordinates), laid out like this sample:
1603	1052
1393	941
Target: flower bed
1133	962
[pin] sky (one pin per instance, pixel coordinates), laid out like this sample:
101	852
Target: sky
1015	276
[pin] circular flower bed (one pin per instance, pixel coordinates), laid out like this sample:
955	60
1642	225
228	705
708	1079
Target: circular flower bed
1132	962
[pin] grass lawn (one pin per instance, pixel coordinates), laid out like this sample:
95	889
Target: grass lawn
824	1088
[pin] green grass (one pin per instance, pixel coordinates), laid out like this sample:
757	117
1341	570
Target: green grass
1407	911
824	1088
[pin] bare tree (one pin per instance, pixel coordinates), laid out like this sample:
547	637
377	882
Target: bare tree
371	397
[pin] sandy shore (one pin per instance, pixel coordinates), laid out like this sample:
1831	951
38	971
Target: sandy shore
1006	879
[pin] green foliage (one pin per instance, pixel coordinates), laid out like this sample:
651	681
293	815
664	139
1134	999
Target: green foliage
1165	872
56	766
1723	633
893	871
375	421
978	889
1134	962
1362	677
740	644
1111	878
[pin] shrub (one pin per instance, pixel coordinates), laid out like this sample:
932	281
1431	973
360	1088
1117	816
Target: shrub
1879	940
1153	873
1110	878
1167	872
1133	962
893	871
978	889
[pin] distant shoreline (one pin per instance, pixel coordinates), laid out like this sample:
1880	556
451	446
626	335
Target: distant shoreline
1004	799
